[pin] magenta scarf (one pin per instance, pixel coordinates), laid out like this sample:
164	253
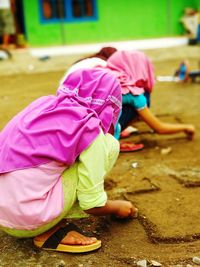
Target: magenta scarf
134	71
61	127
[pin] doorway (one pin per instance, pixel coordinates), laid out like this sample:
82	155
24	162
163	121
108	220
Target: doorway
18	11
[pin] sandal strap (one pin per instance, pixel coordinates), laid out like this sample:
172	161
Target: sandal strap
54	240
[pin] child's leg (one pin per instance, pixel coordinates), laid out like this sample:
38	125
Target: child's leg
113	148
94	164
127	116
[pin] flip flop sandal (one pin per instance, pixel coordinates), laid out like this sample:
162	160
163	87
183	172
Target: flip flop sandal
130	147
124	134
128	131
53	242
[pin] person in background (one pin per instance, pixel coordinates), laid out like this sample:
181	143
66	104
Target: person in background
184	74
7	27
136	76
99	60
190	21
95	60
56	152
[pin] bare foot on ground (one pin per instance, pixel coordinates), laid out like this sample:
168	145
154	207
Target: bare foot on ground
71	238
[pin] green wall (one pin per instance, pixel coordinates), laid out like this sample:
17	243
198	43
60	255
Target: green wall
117	20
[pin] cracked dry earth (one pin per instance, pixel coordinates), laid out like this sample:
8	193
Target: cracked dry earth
164	186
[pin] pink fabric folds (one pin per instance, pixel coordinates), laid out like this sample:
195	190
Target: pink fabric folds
60	127
134	71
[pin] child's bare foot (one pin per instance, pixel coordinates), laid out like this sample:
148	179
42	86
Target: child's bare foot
71	238
75	238
66	237
128	131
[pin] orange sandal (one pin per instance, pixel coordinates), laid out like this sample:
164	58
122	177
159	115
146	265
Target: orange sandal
128	131
130	147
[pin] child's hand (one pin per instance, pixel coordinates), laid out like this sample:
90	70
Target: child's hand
125	209
190	131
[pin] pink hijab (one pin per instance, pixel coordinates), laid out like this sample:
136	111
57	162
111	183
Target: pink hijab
61	127
134	71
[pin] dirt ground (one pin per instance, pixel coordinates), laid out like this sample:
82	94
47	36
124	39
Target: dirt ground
164	186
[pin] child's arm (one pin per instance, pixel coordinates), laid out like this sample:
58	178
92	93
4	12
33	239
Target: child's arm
119	208
93	165
165	128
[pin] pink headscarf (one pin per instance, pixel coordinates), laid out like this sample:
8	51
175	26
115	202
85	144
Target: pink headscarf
134	71
61	127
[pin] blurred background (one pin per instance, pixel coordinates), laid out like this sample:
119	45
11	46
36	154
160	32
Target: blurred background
68	22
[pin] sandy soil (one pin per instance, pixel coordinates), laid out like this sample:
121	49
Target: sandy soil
165	187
